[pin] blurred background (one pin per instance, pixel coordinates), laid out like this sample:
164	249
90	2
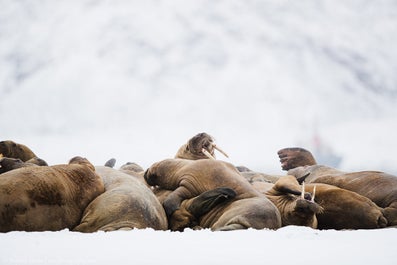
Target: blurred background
134	80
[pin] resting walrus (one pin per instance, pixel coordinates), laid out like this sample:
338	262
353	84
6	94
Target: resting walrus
190	178
378	186
14	150
126	204
47	198
7	164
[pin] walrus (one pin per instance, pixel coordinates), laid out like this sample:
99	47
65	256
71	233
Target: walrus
7	164
11	149
189	178
378	186
296	206
48	198
200	146
126	204
344	209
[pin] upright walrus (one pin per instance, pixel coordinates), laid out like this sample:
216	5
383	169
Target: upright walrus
378	186
47	198
189	178
200	146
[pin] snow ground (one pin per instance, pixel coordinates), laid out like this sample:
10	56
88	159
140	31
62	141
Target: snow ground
288	245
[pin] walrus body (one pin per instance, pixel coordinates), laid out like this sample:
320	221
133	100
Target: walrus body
340	208
47	198
344	209
14	150
378	186
190	178
125	204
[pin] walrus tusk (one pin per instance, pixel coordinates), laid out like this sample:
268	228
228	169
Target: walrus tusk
303	190
207	154
314	193
220	150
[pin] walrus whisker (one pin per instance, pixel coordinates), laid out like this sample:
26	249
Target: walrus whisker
303	190
314	193
207	154
220	150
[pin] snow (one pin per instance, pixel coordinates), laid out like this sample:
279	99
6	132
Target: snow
288	245
135	80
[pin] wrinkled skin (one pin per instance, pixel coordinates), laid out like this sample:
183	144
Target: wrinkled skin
378	186
7	164
14	150
126	204
295	210
47	198
189	178
192	150
344	209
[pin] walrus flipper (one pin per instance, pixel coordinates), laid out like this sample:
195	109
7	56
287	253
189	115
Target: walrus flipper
110	163
206	201
293	157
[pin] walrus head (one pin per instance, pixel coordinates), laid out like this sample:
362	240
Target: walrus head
200	146
131	166
82	161
7	164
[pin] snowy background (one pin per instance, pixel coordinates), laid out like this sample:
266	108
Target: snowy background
135	80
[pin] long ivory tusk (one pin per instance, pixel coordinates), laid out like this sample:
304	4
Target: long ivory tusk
207	154
220	150
314	193
303	190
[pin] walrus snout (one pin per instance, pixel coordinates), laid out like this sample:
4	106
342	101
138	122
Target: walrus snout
150	179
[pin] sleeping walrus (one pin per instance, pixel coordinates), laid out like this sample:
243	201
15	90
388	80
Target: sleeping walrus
7	164
189	178
378	186
14	150
47	198
126	204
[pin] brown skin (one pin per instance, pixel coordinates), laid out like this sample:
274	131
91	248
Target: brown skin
14	150
295	210
340	208
126	204
192	150
7	164
47	198
344	209
190	178
378	186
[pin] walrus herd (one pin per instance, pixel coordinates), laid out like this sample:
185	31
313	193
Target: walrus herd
192	190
